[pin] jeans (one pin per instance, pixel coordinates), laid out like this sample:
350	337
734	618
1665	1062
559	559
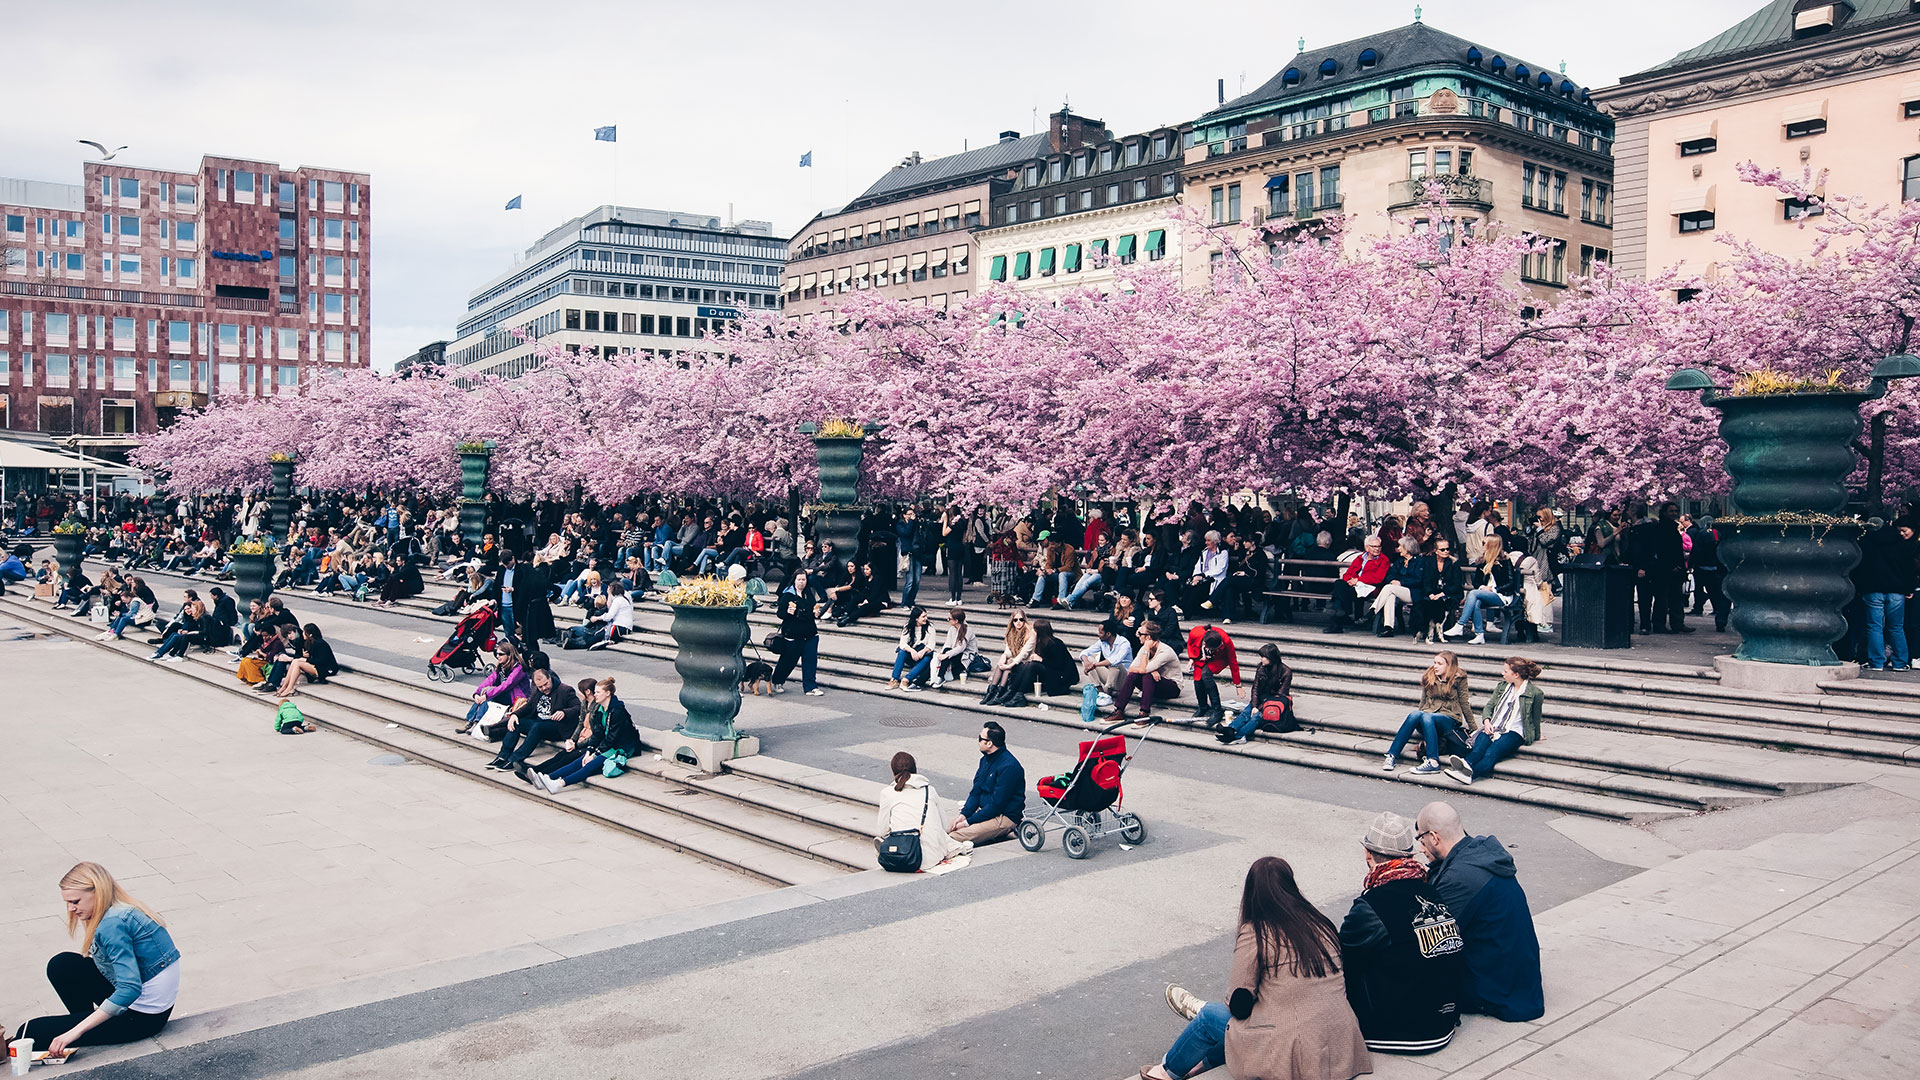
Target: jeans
174	644
807	655
1475	611
125	620
1887	630
910	582
1439	729
506	617
519	741
570	590
707	555
661	556
579	770
1488	751
81	988
1203	1041
916	669
1088	580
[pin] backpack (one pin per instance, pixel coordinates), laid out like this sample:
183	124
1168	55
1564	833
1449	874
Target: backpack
288	716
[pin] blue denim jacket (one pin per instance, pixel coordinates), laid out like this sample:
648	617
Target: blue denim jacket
129	949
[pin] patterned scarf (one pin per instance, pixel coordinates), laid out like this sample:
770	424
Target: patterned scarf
1408	869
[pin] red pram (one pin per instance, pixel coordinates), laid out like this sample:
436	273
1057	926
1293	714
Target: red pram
468	647
1083	800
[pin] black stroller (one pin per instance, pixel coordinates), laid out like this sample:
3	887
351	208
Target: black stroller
468	647
1083	800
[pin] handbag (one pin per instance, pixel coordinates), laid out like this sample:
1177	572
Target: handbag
496	714
900	850
776	643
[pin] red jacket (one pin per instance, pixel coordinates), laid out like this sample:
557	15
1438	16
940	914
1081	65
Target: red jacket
1090	541
1223	660
1367	569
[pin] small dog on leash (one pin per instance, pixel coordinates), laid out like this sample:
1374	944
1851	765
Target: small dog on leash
757	674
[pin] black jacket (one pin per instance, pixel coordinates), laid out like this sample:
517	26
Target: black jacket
796	617
1887	562
1500	579
1452	581
613	731
561	705
1403	956
320	655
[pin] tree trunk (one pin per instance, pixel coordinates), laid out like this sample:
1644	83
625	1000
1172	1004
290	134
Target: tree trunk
1877	463
1440	506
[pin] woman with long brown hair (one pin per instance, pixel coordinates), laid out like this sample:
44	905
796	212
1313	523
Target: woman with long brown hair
121	986
908	804
1287	1017
1445	712
1019	643
1493	586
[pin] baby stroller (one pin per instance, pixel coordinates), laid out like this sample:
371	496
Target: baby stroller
467	647
1082	801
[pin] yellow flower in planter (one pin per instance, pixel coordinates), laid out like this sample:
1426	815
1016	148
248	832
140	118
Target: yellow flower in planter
708	592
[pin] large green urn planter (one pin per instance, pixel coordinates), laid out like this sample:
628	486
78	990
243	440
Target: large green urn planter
476	462
1789	456
252	576
708	661
66	552
282	499
839	514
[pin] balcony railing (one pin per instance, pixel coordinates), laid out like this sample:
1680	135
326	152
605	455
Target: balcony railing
84	292
242	303
1453	189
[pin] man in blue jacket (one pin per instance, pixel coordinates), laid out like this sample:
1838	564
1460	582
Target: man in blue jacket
999	795
1474	876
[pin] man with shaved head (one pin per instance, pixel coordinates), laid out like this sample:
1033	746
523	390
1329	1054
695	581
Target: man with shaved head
1474	876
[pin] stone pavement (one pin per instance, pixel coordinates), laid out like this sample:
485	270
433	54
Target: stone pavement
290	864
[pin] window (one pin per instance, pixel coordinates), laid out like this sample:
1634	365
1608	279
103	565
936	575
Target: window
1113	194
1698	221
646	324
1133	153
123	334
75	264
1559	193
1695	147
185	194
1056	171
287	375
336	269
56	328
1303	191
1022	266
1086	199
123	372
1106	159
1156	245
1277	201
1012	213
243	185
1059	204
1169	183
573	318
335	190
183	268
1125	249
333	228
1139	189
1910	109
1910	179
1416	164
130	188
1590	257
183	231
1071	259
129	265
1218	205
16	223
1233	203
57	370
1801	129
997	269
1330	186
1046	262
129	226
1161	147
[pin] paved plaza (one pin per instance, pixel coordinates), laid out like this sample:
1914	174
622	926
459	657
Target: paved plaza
349	918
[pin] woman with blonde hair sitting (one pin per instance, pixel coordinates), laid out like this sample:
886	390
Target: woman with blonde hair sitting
122	985
1493	587
1019	649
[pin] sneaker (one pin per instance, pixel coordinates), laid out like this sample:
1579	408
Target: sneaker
497	765
601	644
1183	1003
1899	667
1238	741
910	688
1478	639
1387	763
1456	630
554	787
966	847
1427	767
173	659
1457	769
816	692
938	682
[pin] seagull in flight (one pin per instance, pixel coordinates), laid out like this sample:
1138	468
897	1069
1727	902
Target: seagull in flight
105	154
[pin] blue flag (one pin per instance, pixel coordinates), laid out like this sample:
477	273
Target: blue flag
513	203
604	134
806	160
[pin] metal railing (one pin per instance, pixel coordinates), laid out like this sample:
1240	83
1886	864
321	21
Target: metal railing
1454	189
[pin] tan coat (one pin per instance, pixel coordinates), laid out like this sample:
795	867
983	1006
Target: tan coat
1301	1028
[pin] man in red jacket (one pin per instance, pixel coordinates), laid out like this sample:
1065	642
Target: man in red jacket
1211	651
1359	580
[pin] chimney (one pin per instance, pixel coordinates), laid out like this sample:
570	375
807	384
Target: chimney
1009	136
1221	90
1066	131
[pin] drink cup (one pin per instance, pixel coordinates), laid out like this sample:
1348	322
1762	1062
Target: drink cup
20	1056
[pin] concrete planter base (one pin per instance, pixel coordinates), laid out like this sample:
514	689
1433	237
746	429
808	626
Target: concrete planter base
1772	678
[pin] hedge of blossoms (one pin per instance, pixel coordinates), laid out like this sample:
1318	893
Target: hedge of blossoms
1397	364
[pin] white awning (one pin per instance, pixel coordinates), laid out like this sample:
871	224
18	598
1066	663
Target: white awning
15	455
1802	111
973	207
873	229
960	254
912	220
940	257
958	296
951	211
899	263
893	223
807	281
1702	127
940	301
839	235
918	261
859	270
854	232
1693	200
1910	92
846	273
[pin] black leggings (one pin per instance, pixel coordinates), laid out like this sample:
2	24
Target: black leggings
1206	694
82	988
956	572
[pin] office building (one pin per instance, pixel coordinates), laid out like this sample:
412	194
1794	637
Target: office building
909	235
618	280
1069	219
1832	87
141	291
1363	128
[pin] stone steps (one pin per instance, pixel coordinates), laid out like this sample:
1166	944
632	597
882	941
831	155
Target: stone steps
755	827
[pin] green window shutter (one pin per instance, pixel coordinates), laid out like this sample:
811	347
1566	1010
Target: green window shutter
1099	247
1126	246
1157	243
999	270
1023	265
1073	258
1046	260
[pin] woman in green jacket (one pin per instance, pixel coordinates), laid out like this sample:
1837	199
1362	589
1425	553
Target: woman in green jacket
1511	720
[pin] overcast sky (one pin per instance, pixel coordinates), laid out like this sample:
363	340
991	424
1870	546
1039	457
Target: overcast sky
453	108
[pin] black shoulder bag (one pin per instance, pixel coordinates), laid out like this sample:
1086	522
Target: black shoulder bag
900	849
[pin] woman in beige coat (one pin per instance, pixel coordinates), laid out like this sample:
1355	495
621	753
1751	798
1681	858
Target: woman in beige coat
1287	1017
910	803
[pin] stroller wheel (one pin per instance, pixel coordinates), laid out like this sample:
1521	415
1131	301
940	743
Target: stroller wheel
1132	829
1075	841
434	672
1032	836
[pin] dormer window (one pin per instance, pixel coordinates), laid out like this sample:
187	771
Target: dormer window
1290	77
1369	59
1499	64
1814	17
1474	56
1329	68
1521	72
